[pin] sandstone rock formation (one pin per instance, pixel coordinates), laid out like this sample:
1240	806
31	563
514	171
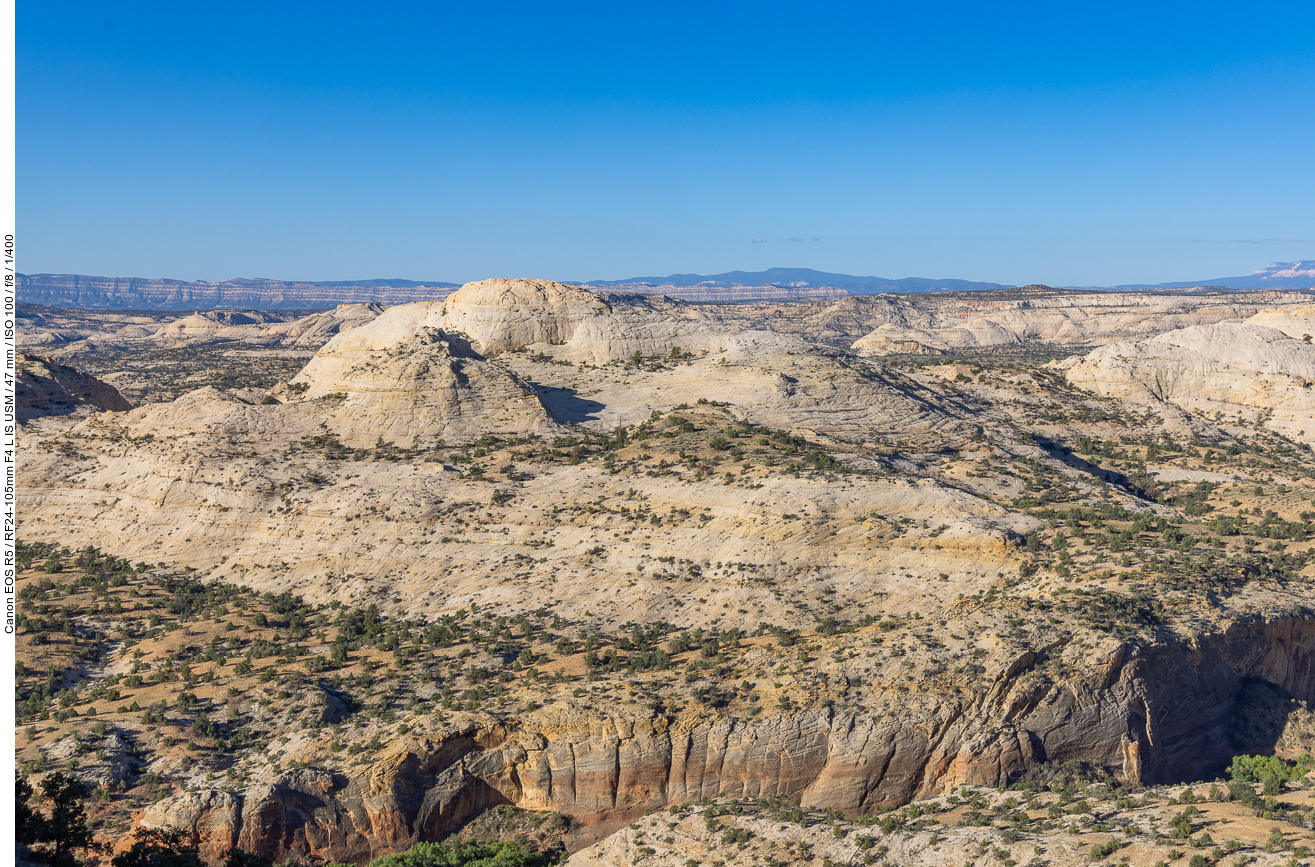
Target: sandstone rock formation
1295	321
498	315
528	448
416	382
967	321
317	329
1159	714
43	388
69	333
214	323
1223	369
565	322
313	330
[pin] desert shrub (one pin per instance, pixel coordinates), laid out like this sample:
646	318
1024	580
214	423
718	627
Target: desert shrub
499	854
1104	850
1270	771
1243	793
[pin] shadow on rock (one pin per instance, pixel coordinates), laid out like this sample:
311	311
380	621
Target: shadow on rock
564	407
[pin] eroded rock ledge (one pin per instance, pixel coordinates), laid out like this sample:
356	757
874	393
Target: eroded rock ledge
1154	714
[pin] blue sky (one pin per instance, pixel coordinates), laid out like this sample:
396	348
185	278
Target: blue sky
1065	143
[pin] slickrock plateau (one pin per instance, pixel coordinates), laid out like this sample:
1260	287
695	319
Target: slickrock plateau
1058	318
1069	822
1237	369
552	552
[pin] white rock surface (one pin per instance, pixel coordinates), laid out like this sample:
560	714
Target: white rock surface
1226	368
1053	318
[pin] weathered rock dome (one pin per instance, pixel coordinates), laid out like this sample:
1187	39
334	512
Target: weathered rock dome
498	315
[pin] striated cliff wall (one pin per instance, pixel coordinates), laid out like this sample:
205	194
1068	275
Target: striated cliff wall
135	293
1152	714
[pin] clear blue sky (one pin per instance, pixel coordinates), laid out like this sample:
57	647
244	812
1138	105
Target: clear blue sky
1068	143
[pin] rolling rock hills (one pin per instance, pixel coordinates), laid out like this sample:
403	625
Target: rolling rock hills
599	555
1260	368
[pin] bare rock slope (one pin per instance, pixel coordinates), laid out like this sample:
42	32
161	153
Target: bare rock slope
45	388
938	325
1209	371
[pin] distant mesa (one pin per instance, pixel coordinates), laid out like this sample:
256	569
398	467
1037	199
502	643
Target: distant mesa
135	293
790	283
731	287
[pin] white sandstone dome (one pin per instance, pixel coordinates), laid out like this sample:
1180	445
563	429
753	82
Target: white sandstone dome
498	315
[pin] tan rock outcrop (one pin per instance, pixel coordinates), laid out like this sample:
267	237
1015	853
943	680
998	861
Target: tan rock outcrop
498	315
401	381
214	323
938	324
44	388
1297	321
1228	368
565	322
317	329
313	330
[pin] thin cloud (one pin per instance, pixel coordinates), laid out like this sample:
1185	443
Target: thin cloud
1246	241
757	241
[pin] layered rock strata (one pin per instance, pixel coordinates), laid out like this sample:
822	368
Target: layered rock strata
935	325
1157	714
135	293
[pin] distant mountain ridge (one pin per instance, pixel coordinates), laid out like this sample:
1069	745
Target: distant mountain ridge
802	278
127	293
774	284
1275	275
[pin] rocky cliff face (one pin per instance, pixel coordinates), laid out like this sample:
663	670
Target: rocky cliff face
45	388
134	293
1154	713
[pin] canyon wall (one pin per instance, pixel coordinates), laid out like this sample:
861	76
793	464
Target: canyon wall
1152	714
